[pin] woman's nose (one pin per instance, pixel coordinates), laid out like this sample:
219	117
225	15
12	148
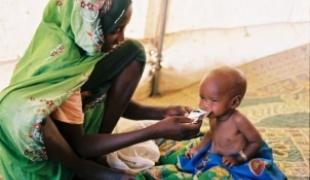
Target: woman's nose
120	37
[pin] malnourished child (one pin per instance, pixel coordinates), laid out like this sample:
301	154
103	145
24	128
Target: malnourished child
232	142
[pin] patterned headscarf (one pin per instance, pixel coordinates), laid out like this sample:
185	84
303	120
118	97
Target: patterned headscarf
92	19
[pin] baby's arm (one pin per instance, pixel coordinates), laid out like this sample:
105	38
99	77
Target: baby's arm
252	135
205	140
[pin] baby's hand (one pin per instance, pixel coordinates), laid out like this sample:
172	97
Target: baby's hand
230	161
190	153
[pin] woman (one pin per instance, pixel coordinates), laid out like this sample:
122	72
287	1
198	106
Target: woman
70	88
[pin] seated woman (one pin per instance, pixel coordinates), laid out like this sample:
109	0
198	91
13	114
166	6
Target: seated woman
68	91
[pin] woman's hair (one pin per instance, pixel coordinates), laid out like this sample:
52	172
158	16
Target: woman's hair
112	13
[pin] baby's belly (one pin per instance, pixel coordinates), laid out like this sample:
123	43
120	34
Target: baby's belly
225	147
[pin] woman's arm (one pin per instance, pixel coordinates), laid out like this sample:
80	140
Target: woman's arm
138	111
99	144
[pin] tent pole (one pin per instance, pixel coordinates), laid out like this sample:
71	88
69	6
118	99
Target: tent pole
159	46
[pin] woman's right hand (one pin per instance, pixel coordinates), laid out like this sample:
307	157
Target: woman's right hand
177	128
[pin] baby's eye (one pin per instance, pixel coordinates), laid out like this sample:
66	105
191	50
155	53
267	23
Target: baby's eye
215	100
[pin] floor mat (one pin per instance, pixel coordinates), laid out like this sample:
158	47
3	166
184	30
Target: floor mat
277	102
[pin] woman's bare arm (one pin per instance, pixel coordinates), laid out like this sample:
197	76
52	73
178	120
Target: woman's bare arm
94	145
138	111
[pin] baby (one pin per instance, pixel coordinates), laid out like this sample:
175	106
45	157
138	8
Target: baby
232	139
231	132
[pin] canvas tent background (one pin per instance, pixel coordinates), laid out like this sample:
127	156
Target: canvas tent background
199	34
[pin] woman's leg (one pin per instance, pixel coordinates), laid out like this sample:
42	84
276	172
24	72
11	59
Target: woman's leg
59	150
119	95
121	71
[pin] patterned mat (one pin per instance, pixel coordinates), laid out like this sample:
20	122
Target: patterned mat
277	102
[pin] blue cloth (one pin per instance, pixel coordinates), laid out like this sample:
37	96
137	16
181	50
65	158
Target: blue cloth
260	167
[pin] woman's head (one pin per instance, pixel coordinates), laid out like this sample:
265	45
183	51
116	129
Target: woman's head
113	20
98	25
222	90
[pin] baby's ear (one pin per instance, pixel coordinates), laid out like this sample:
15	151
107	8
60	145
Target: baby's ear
236	100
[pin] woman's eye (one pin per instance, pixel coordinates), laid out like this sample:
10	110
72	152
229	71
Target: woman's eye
117	30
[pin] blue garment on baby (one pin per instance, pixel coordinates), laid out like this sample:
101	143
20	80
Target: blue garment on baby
261	167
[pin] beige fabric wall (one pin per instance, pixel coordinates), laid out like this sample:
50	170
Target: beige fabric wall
200	33
19	18
187	15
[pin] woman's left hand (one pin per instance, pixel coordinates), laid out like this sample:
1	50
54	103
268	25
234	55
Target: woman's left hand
176	111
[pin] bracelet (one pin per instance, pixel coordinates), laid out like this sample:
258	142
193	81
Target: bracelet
243	156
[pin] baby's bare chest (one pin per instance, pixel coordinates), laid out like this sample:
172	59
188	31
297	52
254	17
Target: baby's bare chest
226	131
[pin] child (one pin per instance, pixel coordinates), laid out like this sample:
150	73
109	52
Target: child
232	141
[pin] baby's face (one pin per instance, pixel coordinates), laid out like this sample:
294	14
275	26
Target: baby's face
214	96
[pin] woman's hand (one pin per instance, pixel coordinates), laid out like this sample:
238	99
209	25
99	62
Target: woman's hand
177	111
176	128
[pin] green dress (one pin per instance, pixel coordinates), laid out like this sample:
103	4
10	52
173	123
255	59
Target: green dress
63	52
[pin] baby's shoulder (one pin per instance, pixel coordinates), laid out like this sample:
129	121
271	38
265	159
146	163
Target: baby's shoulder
238	117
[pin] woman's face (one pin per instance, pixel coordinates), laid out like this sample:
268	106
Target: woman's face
117	36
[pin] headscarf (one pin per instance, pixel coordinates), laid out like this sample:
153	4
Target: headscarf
92	19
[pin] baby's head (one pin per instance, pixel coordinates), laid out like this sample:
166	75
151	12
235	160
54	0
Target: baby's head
222	90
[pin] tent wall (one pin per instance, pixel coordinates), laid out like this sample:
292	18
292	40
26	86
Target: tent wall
189	55
19	18
205	32
202	14
201	34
